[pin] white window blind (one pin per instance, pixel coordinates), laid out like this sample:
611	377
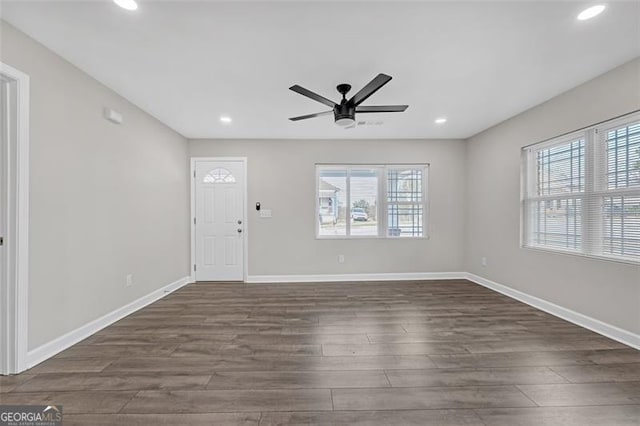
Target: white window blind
581	192
619	189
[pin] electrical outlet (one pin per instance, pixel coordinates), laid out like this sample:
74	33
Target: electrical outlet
341	258
484	261
128	280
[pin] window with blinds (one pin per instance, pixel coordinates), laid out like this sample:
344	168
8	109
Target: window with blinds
364	201
619	203
581	192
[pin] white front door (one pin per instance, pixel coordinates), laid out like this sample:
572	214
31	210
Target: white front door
219	220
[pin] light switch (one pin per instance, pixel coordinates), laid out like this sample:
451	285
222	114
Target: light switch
265	213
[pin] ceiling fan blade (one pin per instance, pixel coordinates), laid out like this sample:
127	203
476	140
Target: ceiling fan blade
382	108
368	90
304	117
314	96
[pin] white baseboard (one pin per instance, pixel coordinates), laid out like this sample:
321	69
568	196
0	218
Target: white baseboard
600	327
400	276
61	343
49	349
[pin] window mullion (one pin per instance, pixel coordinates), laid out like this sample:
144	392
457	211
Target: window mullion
595	158
382	202
317	216
347	213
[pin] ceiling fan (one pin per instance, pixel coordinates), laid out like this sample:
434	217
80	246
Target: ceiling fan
344	113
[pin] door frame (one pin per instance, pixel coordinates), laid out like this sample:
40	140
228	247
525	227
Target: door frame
245	236
14	303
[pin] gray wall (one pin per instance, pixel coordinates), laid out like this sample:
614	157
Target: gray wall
106	200
604	290
281	177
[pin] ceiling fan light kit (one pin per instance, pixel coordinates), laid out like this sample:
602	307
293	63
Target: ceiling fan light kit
344	113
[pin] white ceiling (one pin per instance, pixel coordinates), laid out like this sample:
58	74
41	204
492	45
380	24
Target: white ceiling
477	63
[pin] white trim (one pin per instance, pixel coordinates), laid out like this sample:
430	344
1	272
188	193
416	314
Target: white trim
46	351
192	214
245	221
16	304
399	276
600	327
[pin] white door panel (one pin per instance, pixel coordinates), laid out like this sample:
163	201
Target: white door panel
219	227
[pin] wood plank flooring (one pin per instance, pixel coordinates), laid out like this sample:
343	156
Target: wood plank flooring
368	353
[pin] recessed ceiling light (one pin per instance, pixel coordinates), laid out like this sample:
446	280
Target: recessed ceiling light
225	119
441	120
127	4
591	12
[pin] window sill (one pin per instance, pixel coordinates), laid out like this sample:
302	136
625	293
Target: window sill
371	237
627	261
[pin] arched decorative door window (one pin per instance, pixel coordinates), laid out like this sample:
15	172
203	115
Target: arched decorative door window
219	175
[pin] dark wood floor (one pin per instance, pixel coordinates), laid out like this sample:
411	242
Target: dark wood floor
395	353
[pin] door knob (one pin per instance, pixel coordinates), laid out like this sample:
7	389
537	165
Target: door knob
239	222
239	230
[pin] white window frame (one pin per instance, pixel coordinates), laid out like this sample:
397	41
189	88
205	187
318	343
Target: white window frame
595	188
382	203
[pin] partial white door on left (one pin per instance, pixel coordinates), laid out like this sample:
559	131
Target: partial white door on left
5	294
219	220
